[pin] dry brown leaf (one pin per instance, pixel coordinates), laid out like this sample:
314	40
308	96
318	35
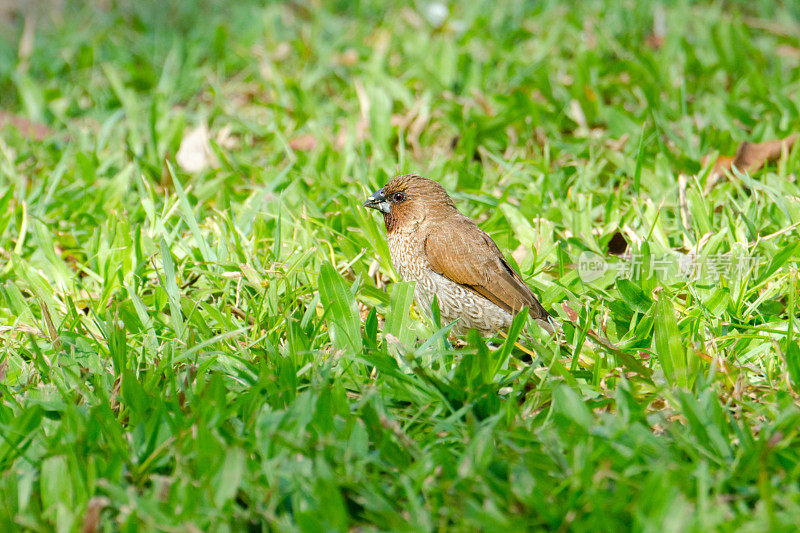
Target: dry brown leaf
786	50
348	58
752	156
303	143
91	520
617	245
723	162
27	128
749	157
656	39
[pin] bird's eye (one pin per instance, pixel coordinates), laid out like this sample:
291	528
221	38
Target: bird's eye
398	197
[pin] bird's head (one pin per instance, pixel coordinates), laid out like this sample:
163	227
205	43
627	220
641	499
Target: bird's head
409	198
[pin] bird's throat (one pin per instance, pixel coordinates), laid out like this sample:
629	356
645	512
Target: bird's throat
390	222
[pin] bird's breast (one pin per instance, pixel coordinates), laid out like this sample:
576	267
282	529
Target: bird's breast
456	302
407	255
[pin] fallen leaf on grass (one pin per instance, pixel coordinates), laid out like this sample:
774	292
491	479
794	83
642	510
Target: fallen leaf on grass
749	157
617	245
27	128
786	50
91	520
656	39
752	156
348	58
195	154
303	143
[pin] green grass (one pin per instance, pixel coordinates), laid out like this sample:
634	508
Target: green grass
230	349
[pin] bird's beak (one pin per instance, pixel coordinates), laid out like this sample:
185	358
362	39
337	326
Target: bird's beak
377	200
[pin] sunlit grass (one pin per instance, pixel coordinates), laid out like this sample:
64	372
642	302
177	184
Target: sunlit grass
230	348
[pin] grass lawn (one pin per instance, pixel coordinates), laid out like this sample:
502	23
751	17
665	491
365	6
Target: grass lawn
200	328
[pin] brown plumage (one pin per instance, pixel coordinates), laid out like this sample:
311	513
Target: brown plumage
449	256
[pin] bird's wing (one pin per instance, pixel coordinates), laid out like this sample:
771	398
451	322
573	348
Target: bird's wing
463	253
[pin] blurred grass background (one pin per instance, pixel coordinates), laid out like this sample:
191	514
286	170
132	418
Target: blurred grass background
200	327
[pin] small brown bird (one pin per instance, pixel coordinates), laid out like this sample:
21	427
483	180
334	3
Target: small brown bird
449	256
